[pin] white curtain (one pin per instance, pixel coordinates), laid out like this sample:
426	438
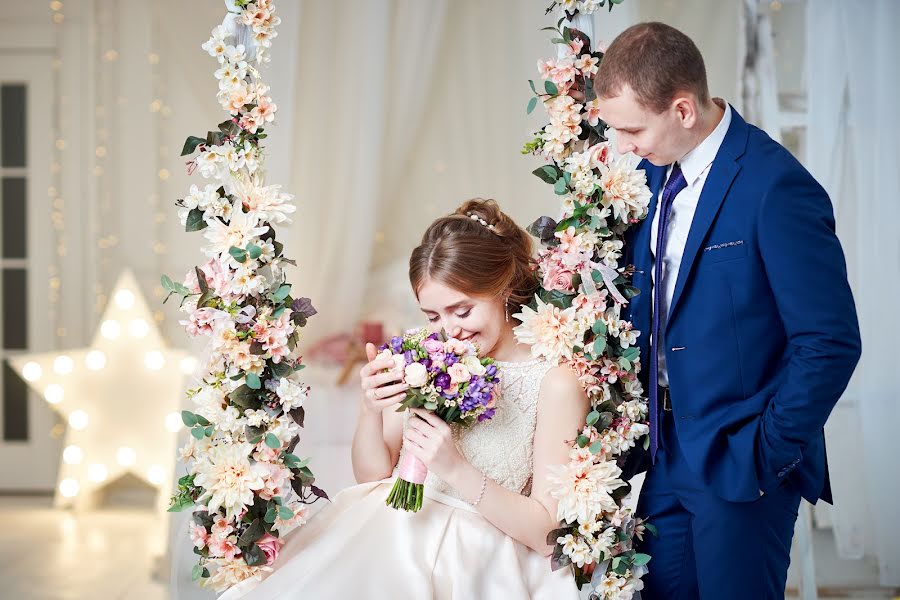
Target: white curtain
757	93
853	86
364	71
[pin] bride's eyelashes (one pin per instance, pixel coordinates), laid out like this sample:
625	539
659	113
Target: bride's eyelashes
460	315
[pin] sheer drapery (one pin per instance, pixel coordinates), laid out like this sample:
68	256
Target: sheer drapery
853	127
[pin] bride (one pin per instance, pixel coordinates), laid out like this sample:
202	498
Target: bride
482	530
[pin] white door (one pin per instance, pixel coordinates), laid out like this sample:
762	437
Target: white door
29	453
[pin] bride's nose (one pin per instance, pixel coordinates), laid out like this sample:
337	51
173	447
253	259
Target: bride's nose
454	330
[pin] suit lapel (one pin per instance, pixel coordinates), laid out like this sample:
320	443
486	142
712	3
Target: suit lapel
721	175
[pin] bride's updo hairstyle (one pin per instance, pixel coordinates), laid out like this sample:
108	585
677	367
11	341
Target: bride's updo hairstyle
479	251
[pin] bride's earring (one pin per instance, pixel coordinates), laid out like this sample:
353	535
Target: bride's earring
507	310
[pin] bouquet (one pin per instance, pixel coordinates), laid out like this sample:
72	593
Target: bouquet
446	377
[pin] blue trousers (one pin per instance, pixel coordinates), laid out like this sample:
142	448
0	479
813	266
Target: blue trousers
708	547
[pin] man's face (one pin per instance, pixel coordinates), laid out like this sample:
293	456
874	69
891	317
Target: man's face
658	137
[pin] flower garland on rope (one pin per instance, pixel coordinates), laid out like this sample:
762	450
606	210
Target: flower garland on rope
575	317
245	485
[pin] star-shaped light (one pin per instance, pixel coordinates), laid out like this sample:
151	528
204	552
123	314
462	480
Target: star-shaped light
120	397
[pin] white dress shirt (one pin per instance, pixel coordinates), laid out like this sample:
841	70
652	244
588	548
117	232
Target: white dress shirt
695	165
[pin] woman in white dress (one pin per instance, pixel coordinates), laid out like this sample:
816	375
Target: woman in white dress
482	530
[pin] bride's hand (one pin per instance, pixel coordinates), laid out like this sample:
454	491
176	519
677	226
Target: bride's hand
428	438
377	394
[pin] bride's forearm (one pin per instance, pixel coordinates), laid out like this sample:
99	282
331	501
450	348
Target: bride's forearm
370	455
522	518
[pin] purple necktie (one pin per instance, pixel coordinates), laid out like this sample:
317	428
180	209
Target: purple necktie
675	184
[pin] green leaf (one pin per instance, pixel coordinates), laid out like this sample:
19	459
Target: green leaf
282	292
197	432
551	88
599	346
239	254
190	144
202	420
596	447
531	83
561	187
167	283
548	173
285	513
195	220
652	529
272	441
252	533
188	418
582	441
253	381
593	417
599	327
624	363
197	572
271	514
254	251
209	430
640	559
531	105
253	555
631	353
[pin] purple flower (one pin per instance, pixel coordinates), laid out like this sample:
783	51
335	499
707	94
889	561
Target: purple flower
396	344
408	355
491	370
451	359
486	415
442	381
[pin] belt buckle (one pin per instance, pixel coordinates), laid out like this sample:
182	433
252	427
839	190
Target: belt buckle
667	400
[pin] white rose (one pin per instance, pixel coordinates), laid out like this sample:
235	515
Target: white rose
474	365
416	374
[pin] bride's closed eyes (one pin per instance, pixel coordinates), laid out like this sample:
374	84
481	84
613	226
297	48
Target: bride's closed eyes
461	315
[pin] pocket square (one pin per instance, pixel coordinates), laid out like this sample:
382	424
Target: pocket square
724	245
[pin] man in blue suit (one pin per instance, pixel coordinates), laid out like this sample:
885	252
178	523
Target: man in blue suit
749	329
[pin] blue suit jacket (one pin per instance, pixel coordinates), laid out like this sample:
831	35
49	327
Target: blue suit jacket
762	335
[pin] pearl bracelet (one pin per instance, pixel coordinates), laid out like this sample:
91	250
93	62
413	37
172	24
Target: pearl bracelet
481	493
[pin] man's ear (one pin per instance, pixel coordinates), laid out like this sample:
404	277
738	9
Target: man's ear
686	108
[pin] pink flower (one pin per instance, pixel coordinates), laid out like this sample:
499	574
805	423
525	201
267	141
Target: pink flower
599	153
458	373
203	321
270	546
199	536
223	547
558	278
575	46
433	346
455	346
274	478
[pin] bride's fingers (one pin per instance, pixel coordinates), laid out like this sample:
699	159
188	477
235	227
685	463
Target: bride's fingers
387	391
430	418
374	381
388	402
415	437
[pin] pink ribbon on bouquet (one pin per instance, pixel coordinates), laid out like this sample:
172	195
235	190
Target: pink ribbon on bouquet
412	469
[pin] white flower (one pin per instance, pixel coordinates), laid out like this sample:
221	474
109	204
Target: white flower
550	331
228	477
624	189
473	364
576	549
584	490
229	572
242	229
416	374
291	394
268	202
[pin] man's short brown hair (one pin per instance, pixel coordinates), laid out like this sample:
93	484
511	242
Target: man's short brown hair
657	62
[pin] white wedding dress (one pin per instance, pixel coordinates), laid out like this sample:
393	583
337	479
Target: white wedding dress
357	547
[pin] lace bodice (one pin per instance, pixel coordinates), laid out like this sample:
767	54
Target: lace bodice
503	446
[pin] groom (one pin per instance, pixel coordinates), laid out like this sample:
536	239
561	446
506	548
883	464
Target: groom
750	330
